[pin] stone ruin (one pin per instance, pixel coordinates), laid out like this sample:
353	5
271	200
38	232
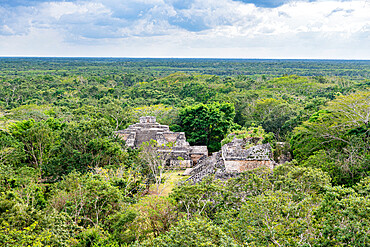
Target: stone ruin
235	157
182	155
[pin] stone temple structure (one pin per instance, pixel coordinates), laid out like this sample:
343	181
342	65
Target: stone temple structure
235	157
182	155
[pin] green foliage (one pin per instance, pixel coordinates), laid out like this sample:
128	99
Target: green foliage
24	237
153	165
20	184
201	92
207	124
115	111
201	199
339	136
84	146
343	219
238	189
257	133
122	226
11	150
87	199
272	114
129	180
67	180
156	214
300	180
195	232
63	233
38	140
24	222
363	187
31	111
94	236
273	218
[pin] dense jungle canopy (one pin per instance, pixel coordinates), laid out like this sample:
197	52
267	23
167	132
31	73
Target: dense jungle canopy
67	180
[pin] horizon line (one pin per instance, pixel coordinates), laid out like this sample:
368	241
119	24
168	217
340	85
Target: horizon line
210	58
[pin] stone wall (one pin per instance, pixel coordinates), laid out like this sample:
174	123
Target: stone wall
245	165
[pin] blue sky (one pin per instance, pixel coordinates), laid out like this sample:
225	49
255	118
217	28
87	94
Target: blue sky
323	29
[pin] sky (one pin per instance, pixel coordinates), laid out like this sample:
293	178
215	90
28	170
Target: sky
283	29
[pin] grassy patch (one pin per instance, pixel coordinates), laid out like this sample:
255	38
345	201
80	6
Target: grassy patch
172	178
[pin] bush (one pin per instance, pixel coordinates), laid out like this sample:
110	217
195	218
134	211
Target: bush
343	219
271	219
94	237
88	199
192	233
156	214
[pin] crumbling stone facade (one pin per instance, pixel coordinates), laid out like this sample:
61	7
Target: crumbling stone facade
182	155
233	158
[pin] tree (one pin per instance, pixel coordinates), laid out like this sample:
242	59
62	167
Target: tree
194	232
342	131
342	219
36	112
88	199
200	199
201	92
207	124
11	150
38	139
154	164
164	114
272	114
84	146
115	112
272	219
156	214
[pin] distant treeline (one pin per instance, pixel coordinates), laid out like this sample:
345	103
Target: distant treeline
166	66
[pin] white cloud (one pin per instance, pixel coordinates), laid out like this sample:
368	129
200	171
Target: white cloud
196	28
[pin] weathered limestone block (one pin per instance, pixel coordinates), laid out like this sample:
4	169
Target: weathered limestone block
130	140
171	136
207	166
161	140
245	165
